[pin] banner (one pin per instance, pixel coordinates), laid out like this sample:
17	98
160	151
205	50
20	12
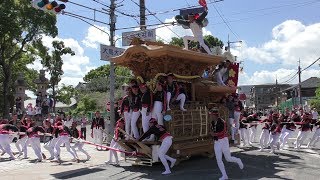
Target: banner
233	75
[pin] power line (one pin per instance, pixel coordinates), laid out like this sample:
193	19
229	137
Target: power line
157	19
311	64
235	34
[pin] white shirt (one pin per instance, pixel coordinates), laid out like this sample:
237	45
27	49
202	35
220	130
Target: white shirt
196	29
68	123
315	114
220	75
38	110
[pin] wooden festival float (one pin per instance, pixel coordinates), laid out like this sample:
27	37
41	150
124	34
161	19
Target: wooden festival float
150	61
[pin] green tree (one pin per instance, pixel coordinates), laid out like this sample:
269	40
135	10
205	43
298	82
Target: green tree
21	28
53	63
85	105
209	40
65	93
98	79
316	101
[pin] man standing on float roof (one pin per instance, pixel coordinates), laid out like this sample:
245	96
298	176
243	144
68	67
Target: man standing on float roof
195	22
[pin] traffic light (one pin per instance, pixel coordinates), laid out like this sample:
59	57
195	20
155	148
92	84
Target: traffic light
49	6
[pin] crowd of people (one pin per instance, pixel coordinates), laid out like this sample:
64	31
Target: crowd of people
139	100
277	127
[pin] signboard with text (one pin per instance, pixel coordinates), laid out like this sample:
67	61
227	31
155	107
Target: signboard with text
149	35
107	52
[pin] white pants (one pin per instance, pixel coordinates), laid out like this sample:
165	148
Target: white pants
181	97
315	138
97	135
221	146
244	134
79	145
232	126
134	129
163	149
253	132
145	119
127	119
114	153
264	138
5	143
302	135
198	36
286	135
35	144
50	146
274	141
157	112
21	143
63	140
234	123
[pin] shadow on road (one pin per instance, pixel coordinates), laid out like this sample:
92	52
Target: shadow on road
257	166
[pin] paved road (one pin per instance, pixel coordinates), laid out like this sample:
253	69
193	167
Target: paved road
287	164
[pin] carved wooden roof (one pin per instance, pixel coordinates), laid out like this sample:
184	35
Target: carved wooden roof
148	60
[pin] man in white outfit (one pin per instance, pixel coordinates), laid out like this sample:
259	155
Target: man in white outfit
221	143
160	132
146	106
195	22
222	73
174	93
97	128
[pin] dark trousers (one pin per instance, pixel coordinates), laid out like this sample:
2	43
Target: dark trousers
84	133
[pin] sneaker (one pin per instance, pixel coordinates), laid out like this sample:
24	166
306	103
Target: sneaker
278	146
39	160
51	158
172	163
166	172
44	156
168	109
88	157
107	162
183	109
2	153
240	164
223	178
261	149
11	158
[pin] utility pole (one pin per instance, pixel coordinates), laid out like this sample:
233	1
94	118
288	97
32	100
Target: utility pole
143	15
112	74
299	73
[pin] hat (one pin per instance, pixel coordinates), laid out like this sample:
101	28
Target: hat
214	111
143	85
135	86
170	75
153	120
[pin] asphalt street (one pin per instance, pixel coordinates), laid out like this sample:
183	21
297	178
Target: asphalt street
286	164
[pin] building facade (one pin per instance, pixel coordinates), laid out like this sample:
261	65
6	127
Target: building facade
266	96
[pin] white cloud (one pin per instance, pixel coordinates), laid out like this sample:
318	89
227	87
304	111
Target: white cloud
166	33
74	67
290	41
283	75
95	37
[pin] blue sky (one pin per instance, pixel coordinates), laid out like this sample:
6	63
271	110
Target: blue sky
276	33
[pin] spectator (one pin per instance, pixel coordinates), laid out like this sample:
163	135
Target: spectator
84	122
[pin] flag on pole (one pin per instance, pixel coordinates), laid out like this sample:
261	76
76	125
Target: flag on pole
203	3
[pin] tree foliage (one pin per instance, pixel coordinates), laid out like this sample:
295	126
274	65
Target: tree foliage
65	93
85	105
53	62
21	29
316	101
98	79
209	40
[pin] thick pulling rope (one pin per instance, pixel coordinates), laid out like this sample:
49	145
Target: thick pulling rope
85	142
108	147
